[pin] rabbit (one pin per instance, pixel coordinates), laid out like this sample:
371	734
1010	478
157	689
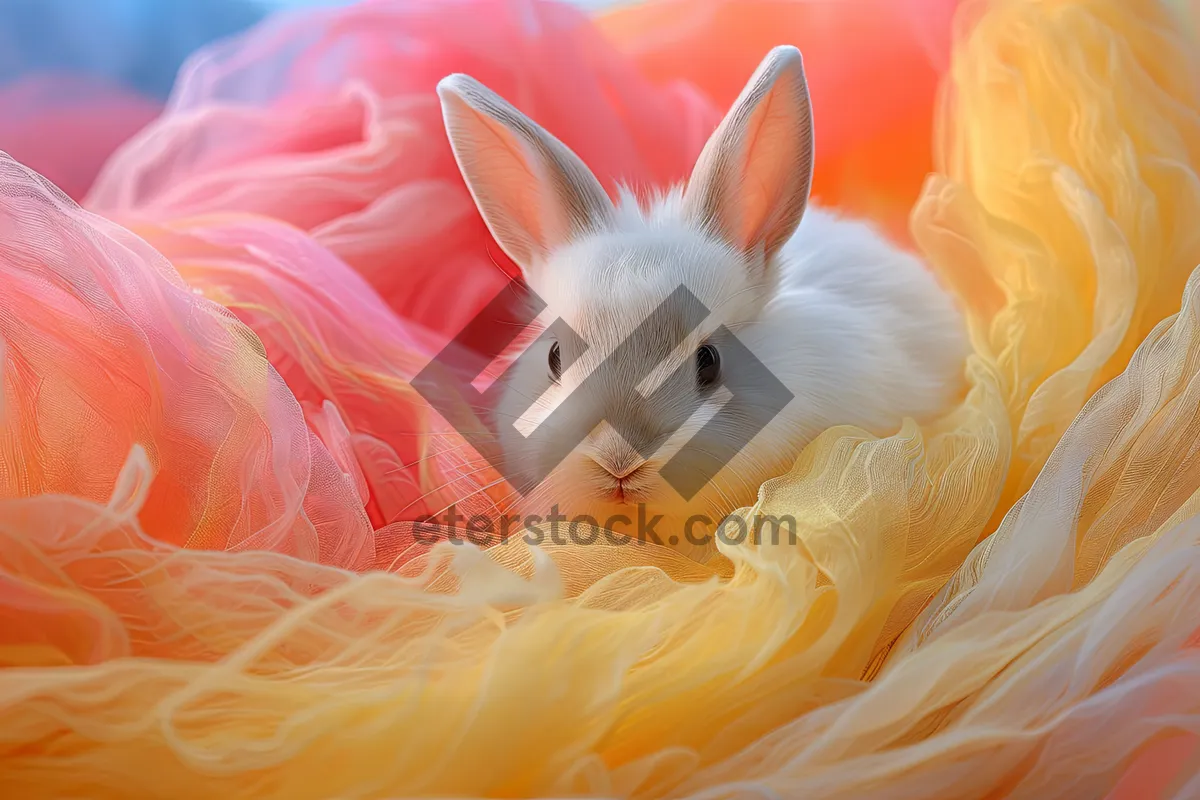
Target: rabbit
859	331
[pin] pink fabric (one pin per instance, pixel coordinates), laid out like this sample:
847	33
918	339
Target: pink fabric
301	178
65	126
312	149
106	347
334	115
345	356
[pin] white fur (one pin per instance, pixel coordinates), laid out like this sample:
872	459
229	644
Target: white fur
857	329
872	337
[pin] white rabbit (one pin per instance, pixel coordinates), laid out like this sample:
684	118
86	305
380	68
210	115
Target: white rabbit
859	331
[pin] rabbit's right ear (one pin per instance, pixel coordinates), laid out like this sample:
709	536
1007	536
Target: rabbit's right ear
533	192
752	179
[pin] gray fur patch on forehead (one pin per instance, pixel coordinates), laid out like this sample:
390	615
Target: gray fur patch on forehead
613	315
668	327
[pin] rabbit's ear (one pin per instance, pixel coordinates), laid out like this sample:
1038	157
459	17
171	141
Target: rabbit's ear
533	192
752	180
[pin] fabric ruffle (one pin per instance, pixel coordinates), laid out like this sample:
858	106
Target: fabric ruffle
1000	604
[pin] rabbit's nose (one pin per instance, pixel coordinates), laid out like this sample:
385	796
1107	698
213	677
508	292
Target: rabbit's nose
615	455
625	468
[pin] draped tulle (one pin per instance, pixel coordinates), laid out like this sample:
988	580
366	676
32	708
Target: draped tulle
1000	604
346	358
106	347
334	114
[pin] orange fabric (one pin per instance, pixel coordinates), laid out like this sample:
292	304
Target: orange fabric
873	109
211	459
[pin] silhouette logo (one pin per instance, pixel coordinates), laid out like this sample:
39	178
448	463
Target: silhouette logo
756	395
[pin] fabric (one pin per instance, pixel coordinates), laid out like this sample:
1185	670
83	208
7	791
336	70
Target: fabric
873	68
77	79
136	44
334	113
45	113
211	458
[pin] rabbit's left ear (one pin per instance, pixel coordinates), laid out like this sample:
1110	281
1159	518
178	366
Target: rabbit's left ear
752	180
533	192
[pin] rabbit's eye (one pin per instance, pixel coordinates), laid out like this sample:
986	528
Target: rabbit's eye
555	361
708	366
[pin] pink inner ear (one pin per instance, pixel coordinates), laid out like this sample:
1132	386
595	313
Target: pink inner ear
506	183
754	175
763	174
516	182
775	162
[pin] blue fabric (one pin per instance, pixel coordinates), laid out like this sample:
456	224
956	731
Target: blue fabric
139	44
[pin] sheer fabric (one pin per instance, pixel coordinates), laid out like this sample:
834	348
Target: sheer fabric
1000	604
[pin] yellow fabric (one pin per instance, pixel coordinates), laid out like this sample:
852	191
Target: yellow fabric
1067	210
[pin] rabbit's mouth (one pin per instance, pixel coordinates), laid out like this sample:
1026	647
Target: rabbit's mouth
625	492
633	486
